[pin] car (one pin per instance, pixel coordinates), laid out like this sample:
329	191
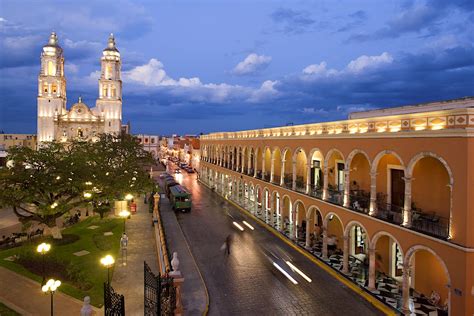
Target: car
177	171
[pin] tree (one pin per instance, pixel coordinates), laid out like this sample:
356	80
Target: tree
117	167
44	185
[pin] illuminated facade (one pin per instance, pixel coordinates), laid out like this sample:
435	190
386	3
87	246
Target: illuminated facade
55	122
394	186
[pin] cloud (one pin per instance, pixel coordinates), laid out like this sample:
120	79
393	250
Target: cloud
420	17
71	68
366	62
252	64
293	21
153	75
319	70
266	91
356	66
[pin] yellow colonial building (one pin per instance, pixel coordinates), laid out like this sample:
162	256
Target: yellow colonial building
386	197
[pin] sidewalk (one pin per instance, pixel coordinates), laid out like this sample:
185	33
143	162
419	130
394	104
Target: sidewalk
128	279
25	296
195	296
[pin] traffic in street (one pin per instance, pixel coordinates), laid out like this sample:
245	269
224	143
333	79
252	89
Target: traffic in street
248	270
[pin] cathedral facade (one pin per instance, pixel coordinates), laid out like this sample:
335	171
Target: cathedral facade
55	121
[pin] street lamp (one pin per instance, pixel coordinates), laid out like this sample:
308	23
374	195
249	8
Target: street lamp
51	286
43	248
124	214
107	261
128	197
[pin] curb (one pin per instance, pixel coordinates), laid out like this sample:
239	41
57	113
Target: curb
14	307
206	311
358	290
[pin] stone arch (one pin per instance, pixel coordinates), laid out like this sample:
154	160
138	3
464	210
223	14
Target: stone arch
354	223
409	255
294	209
388	255
273	151
329	154
379	156
421	155
353	153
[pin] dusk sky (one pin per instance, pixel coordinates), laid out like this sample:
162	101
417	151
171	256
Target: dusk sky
204	66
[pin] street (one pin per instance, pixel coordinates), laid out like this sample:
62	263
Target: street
251	279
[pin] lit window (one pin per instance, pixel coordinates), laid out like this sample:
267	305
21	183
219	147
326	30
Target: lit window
51	69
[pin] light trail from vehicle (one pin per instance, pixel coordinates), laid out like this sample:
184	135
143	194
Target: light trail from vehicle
294	268
238	226
285	273
248	225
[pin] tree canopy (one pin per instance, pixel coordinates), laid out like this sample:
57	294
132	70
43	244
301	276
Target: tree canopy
42	185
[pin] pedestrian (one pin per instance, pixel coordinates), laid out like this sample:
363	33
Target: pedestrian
228	241
123	247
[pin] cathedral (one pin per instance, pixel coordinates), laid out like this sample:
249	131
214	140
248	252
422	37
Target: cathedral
55	121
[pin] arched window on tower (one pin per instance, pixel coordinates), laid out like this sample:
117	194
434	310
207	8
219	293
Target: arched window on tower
45	87
104	91
55	88
51	69
108	72
114	92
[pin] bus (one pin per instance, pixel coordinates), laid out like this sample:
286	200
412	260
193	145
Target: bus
169	183
180	198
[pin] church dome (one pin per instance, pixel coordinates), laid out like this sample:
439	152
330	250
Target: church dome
111	44
79	108
52	47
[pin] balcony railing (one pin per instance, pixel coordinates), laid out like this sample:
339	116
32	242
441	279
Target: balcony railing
430	223
316	191
335	196
266	176
250	172
389	212
359	201
300	186
288	180
259	174
276	179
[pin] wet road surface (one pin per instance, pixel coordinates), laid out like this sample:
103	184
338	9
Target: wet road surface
247	282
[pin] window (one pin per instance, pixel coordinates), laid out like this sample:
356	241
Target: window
152	140
55	89
108	72
51	69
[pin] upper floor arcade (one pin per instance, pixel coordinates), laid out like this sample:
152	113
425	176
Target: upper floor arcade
420	178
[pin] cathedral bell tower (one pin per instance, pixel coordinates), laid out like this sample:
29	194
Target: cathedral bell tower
109	102
51	89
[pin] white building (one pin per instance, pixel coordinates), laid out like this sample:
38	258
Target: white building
55	122
151	143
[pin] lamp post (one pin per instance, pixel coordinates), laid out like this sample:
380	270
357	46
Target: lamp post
51	287
107	261
128	197
43	248
124	214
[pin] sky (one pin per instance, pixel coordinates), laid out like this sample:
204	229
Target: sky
191	67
